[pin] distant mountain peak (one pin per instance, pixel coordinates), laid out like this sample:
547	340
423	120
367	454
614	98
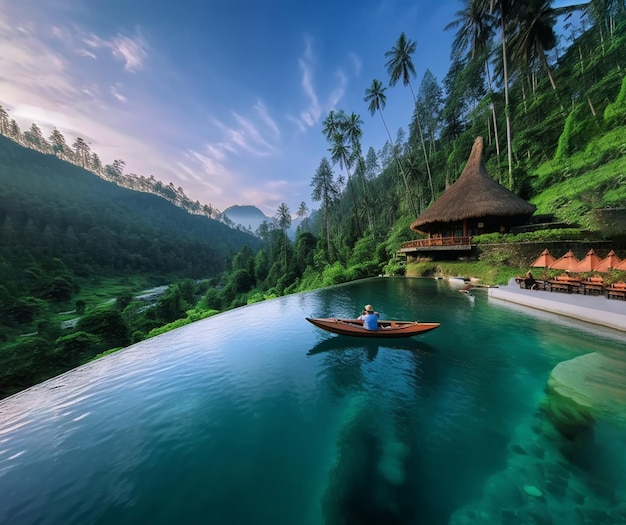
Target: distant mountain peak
246	217
245	209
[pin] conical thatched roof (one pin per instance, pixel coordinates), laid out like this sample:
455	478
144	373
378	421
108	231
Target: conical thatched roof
475	194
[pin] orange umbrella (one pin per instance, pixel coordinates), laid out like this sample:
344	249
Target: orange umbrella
567	262
544	260
608	263
621	266
588	264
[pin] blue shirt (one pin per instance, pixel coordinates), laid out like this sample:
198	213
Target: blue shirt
370	321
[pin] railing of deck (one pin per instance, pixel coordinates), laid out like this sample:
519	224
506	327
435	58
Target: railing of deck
437	241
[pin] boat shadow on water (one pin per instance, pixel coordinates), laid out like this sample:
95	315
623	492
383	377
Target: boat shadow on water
370	346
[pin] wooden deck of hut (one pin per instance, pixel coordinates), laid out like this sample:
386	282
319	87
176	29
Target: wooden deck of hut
437	243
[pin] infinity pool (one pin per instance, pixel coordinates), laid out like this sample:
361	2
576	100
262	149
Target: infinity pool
255	416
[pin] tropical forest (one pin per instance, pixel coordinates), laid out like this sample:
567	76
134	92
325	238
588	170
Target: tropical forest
94	259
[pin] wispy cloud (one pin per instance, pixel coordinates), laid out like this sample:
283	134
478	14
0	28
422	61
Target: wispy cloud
256	133
86	53
132	51
356	62
311	114
338	92
269	122
115	88
33	74
253	136
210	169
298	123
116	92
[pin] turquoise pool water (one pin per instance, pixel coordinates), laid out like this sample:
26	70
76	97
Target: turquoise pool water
256	416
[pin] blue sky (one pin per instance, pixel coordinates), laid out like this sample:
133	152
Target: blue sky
222	97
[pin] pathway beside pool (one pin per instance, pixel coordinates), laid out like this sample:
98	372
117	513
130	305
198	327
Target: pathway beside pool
593	309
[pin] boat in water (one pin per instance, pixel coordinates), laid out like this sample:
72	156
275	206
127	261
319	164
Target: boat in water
386	329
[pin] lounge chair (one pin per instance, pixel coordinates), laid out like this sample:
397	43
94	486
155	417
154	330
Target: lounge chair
616	291
593	285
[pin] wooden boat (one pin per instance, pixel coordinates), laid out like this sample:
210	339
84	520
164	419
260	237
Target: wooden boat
385	328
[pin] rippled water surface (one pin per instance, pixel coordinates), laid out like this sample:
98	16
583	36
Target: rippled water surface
257	417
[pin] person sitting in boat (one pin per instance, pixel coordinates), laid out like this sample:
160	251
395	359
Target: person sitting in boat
369	318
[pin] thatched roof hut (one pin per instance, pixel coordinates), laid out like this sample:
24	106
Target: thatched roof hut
477	199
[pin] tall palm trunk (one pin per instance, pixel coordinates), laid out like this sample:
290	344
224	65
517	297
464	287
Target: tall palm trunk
354	205
493	108
495	128
421	135
368	210
366	200
507	112
395	156
544	61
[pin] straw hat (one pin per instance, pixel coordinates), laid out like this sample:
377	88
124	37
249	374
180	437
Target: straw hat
369	308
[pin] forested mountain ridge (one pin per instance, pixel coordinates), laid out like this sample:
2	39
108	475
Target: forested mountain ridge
63	228
81	155
56	215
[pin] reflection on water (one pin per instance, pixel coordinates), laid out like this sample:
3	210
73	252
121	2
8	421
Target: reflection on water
238	420
369	346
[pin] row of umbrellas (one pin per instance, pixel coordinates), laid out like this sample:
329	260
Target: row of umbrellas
590	263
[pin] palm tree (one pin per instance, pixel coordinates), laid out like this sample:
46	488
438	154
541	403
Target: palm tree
481	17
359	172
333	123
474	33
353	132
504	12
603	12
375	96
283	220
534	36
341	153
344	133
400	66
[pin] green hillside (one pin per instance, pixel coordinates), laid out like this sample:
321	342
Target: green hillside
594	178
71	241
53	208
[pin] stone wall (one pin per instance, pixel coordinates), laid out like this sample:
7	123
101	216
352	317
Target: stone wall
524	253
